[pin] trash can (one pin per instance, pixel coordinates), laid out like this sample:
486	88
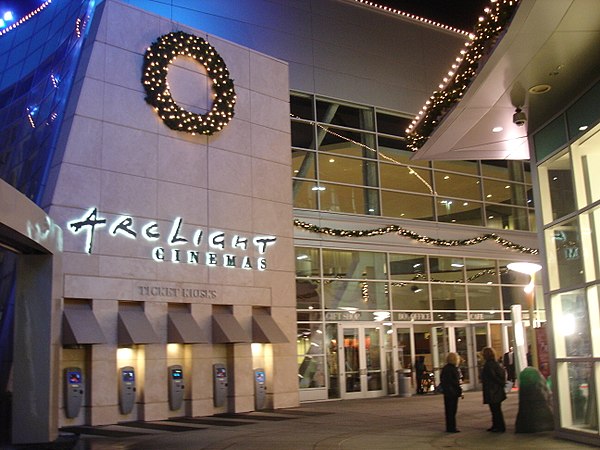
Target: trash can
404	383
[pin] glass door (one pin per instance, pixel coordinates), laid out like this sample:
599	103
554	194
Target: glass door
361	356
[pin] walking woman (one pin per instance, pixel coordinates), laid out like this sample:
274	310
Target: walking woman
452	390
493	379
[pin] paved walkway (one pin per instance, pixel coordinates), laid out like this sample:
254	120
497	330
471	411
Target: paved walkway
375	424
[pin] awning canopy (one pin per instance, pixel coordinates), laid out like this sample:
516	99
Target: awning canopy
266	331
227	330
183	329
80	326
135	328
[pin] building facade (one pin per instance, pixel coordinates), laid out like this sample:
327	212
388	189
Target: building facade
250	207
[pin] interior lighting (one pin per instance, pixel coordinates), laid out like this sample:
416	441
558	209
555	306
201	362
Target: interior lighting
497	129
8	16
583	127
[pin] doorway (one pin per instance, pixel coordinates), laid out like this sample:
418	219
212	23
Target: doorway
361	357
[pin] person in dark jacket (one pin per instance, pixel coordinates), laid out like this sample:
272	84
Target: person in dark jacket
420	370
493	380
451	388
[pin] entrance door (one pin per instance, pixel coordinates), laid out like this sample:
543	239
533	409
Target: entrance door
464	340
361	356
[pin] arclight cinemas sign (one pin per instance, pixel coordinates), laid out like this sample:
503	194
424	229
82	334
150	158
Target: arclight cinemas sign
177	242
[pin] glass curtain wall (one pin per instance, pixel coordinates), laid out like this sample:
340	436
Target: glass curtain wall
567	151
353	159
342	285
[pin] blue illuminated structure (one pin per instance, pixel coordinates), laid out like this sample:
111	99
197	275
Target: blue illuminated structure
39	55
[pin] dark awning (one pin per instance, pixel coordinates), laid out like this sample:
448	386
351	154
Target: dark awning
80	326
266	331
135	328
183	329
227	330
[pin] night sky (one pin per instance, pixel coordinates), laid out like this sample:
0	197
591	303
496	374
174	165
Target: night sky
461	14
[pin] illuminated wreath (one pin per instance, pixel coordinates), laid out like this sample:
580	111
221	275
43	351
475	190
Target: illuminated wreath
156	67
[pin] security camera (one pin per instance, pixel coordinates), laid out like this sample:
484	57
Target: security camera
519	117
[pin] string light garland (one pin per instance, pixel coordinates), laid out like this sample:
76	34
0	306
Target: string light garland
157	59
415	236
26	17
462	73
411	171
391	10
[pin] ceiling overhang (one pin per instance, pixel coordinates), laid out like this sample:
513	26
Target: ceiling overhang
551	42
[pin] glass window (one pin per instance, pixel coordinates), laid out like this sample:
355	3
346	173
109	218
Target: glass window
331	345
514	295
348	143
407	267
470	167
308	294
556	186
307	262
410	296
481	271
355	295
348	170
507	217
303	164
586	158
584	112
354	264
564	255
577	379
504	192
459	211
302	106
571	324
408	206
552	137
311	360
303	135
503	169
394	150
345	115
348	199
448	296
443	268
392	124
484	297
405	178
305	194
461	186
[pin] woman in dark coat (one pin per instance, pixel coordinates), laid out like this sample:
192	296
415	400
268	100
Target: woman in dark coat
452	390
493	380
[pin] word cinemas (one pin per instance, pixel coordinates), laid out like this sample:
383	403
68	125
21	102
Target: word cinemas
219	251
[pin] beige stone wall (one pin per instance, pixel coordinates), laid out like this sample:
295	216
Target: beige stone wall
121	159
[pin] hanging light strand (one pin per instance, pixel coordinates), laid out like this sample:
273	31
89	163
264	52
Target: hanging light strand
403	232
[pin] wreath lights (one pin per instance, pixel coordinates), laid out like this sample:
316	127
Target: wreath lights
157	59
415	236
462	73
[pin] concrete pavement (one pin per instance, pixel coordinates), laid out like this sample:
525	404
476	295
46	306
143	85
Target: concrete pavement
415	422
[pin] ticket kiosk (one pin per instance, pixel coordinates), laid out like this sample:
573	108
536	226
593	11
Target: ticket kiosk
219	384
74	391
127	389
176	387
260	389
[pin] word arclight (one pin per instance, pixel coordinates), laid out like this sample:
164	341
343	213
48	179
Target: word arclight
221	249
